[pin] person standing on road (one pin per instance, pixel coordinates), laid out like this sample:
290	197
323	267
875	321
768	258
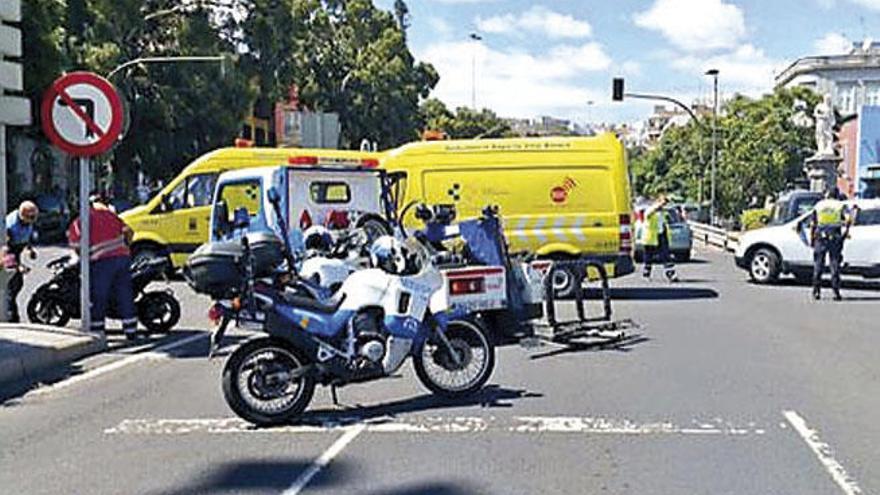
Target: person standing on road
654	236
110	266
20	236
829	224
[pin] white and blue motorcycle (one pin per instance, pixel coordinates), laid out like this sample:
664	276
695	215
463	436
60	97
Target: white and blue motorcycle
395	309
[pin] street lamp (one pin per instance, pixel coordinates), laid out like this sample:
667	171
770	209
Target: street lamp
476	38
714	74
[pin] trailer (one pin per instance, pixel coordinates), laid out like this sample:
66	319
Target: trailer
514	294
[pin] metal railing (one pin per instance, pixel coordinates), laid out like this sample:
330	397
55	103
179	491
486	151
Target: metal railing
714	236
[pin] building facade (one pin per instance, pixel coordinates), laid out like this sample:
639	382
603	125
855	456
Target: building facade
853	82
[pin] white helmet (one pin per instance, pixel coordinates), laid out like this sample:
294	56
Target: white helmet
388	254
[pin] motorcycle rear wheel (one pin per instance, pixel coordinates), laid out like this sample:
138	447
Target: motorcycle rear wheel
442	375
47	309
158	311
254	386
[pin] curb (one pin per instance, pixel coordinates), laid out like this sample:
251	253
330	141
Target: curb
37	350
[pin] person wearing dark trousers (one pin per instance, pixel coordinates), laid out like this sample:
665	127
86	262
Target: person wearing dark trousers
829	224
110	267
654	236
20	236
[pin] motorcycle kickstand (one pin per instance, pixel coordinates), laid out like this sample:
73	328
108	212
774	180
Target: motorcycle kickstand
337	404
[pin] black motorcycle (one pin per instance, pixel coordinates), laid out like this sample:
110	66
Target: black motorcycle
58	300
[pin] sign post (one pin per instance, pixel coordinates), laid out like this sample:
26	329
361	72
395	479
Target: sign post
82	114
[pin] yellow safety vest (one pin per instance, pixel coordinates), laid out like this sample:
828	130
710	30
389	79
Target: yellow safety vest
651	230
829	213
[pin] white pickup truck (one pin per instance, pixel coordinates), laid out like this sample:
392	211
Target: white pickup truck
775	250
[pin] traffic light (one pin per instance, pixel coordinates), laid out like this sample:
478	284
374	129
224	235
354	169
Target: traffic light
617	89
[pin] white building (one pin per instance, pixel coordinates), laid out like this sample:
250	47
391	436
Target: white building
852	79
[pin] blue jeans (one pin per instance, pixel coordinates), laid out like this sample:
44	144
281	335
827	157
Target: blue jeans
111	281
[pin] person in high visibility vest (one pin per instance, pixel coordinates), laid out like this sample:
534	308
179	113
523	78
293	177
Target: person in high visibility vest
110	266
654	238
829	224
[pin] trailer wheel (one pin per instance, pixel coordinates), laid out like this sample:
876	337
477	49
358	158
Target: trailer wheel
563	280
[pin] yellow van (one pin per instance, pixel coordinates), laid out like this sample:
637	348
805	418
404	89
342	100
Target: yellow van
561	197
177	220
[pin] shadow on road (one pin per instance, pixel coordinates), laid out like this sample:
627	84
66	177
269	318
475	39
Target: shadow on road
263	475
489	396
430	488
670	293
625	344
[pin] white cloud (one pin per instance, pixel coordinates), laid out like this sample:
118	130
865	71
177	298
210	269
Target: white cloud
515	83
747	69
695	25
832	44
536	20
630	68
440	26
869	4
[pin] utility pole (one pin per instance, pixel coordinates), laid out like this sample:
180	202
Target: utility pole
714	74
476	38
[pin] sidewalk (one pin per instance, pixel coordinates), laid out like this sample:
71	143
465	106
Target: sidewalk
30	351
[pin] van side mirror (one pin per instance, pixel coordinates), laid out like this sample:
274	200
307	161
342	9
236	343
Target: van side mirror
241	219
221	218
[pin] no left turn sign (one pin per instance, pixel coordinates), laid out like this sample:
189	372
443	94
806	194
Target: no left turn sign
82	114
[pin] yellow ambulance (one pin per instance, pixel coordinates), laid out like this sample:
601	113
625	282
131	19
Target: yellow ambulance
560	197
177	220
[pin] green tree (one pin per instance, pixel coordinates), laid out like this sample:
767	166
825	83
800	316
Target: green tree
465	123
761	151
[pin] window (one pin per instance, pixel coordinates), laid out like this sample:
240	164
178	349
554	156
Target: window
846	98
196	190
868	217
329	192
200	189
245	194
872	93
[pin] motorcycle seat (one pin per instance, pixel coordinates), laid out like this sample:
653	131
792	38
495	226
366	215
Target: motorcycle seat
325	307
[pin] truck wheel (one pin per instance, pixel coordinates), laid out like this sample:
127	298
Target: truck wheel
764	266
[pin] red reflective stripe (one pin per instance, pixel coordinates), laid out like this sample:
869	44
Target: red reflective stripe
474	273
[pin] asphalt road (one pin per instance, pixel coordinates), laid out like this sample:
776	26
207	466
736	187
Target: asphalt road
727	388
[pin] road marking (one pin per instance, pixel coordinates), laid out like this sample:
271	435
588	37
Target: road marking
158	353
438	424
824	453
324	459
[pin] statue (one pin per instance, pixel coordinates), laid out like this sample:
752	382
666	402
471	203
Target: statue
824	116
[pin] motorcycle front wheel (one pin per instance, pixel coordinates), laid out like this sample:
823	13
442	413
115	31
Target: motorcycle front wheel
158	311
47	308
462	374
264	382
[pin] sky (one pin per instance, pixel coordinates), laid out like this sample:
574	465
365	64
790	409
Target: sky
554	57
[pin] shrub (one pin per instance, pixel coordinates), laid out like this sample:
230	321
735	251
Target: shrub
754	218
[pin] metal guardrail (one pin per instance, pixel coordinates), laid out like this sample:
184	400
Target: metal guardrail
714	236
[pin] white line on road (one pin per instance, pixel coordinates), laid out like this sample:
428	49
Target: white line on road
824	453
426	424
160	352
324	459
